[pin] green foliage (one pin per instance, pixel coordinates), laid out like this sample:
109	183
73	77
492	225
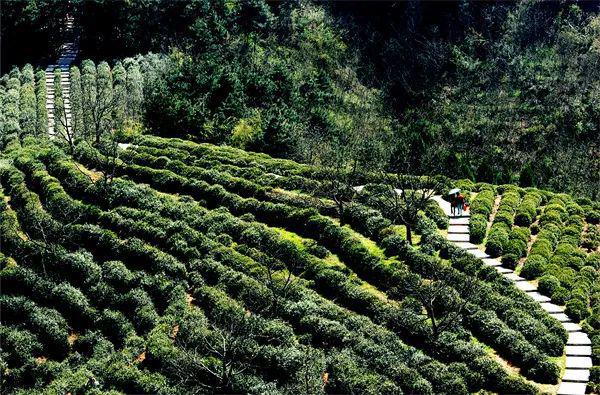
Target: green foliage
477	228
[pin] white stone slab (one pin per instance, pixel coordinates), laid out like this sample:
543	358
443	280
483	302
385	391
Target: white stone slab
492	262
578	362
458	237
525	286
458	221
479	254
571	327
458	229
578	339
503	270
570	388
581	375
466	245
552	308
514	277
562	317
580	351
538	297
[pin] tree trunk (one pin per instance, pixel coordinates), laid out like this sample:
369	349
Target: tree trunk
408	234
340	209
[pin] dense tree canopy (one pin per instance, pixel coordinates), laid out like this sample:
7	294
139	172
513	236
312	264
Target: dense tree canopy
491	91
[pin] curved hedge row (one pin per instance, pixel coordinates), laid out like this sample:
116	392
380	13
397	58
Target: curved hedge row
481	209
145	227
280	216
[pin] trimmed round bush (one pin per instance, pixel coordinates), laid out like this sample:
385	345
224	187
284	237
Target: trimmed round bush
534	267
576	309
550	217
548	284
510	260
560	295
505	218
593	260
477	228
497	240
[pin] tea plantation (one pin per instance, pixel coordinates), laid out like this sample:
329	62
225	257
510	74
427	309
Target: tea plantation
199	267
145	264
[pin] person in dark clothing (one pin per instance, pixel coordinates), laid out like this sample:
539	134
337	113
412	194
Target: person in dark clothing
460	202
453	204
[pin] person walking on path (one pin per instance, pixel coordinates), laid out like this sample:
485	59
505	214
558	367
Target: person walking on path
460	202
453	204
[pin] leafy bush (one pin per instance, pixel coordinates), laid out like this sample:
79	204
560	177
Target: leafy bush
483	203
576	309
497	240
534	267
477	228
548	284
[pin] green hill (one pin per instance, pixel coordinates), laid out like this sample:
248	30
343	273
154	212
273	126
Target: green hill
140	252
199	266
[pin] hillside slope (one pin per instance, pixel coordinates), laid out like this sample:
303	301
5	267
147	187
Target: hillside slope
200	267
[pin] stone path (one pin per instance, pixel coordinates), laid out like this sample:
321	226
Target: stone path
68	53
578	350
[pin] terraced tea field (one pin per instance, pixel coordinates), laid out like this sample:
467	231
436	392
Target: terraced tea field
197	266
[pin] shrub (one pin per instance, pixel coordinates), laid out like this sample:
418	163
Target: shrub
483	203
497	239
115	326
510	260
516	247
504	217
560	295
435	212
19	345
576	309
550	217
593	217
548	284
477	228
541	247
534	267
593	260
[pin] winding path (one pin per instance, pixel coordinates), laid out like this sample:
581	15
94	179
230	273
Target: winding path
578	350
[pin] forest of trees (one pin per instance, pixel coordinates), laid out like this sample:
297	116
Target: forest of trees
497	92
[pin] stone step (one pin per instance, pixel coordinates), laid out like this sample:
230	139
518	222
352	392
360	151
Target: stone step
551	307
525	286
571	327
458	237
458	221
491	262
538	297
570	388
459	216
581	351
577	375
578	362
458	229
578	339
562	317
466	245
503	270
478	254
514	277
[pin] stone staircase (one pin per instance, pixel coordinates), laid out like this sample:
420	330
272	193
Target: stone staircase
578	349
68	53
